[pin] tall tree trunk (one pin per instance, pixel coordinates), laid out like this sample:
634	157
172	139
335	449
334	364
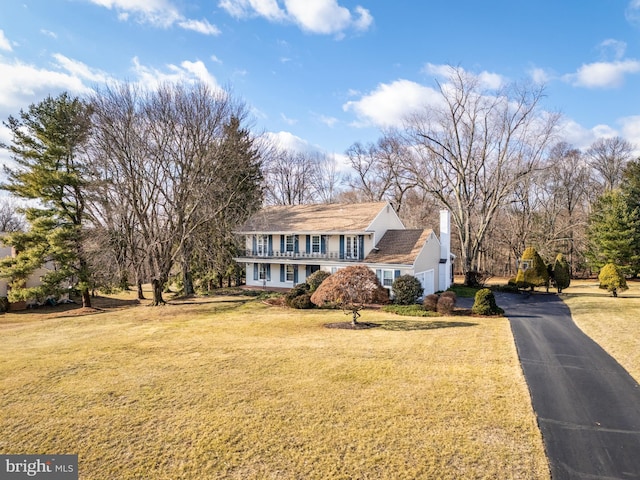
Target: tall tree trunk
157	293
187	279
140	292
86	298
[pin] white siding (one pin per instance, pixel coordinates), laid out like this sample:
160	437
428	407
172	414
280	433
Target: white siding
429	258
387	219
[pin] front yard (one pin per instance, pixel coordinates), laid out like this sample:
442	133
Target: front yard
228	387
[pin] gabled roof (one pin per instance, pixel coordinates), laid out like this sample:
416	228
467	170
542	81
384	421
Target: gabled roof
324	218
399	246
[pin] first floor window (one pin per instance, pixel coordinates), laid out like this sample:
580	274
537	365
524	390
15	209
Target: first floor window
262	271
386	277
289	273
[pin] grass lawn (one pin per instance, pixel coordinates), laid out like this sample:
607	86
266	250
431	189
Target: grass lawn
612	322
228	387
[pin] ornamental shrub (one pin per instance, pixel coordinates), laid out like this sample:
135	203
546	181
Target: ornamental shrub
612	279
451	294
485	303
407	289
561	273
430	302
446	303
315	279
532	271
299	297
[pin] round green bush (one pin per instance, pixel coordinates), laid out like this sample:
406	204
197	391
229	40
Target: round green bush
301	302
407	289
612	279
295	298
485	303
316	278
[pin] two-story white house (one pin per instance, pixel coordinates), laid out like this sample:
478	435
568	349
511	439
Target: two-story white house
286	244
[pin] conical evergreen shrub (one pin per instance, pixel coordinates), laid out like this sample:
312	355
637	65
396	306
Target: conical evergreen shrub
485	303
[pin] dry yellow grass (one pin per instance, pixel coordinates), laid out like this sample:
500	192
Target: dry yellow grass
612	322
231	388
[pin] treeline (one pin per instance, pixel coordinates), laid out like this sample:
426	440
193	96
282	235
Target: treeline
134	185
497	161
131	186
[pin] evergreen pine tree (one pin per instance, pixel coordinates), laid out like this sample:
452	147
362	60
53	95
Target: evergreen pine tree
614	233
47	146
561	273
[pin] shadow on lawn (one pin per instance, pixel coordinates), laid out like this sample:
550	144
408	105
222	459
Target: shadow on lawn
399	325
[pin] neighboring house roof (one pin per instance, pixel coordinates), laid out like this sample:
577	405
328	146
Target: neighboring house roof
336	217
399	246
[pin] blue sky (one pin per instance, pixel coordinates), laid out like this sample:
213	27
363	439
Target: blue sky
323	74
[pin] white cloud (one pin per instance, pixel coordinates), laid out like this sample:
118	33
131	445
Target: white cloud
80	70
582	137
315	16
4	42
186	71
22	84
613	48
540	75
631	131
48	33
603	74
159	13
390	103
486	79
268	9
328	121
289	141
200	26
287	120
632	13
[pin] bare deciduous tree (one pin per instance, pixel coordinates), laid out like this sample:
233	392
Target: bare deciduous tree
608	157
163	154
474	149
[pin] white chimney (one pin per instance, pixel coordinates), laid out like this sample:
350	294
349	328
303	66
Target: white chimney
445	272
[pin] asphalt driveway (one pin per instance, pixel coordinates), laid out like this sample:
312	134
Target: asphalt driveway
588	406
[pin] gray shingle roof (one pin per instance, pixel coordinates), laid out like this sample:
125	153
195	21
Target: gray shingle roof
399	246
336	217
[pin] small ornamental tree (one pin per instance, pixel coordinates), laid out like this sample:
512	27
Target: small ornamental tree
532	272
612	279
485	303
561	273
407	289
351	288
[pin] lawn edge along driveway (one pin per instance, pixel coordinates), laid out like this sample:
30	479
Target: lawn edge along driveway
587	404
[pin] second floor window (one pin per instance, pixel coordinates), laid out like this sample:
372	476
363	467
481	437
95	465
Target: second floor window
315	244
289	243
262	245
351	247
